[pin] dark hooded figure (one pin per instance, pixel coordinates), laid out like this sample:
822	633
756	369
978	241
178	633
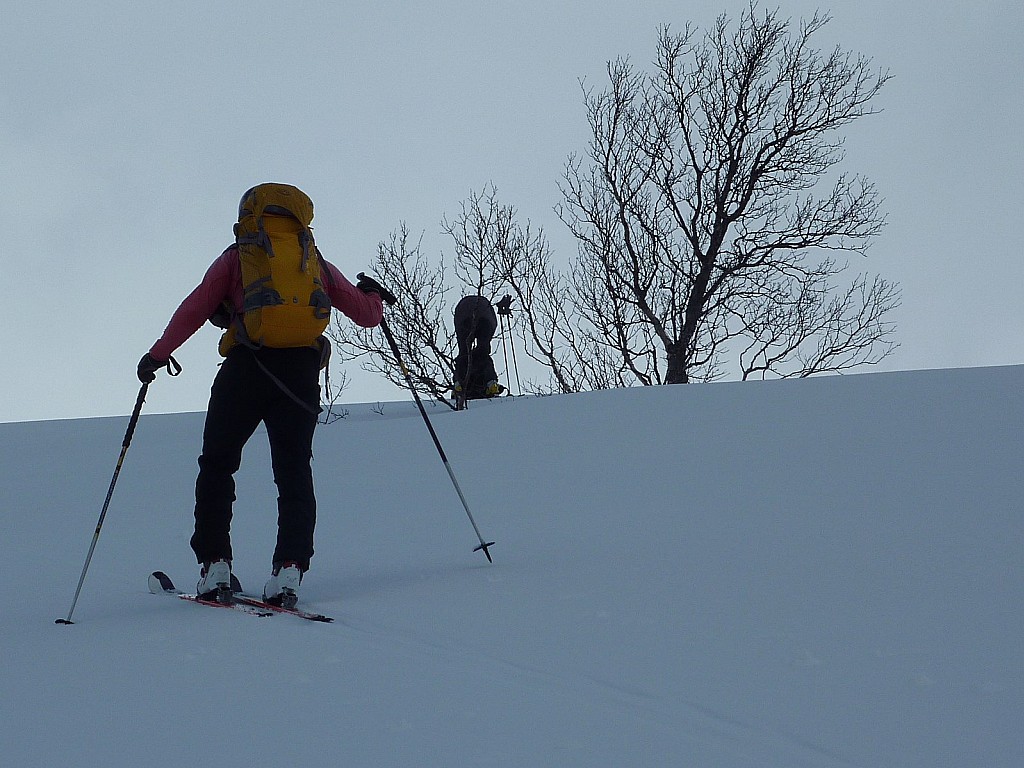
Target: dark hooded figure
475	324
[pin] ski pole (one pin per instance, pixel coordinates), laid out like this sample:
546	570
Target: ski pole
437	443
504	308
110	492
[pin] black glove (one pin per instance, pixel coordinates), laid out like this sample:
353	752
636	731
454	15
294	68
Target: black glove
149	365
369	285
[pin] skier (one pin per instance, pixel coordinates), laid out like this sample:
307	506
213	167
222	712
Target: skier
475	324
268	375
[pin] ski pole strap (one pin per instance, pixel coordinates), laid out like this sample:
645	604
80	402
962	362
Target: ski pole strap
173	369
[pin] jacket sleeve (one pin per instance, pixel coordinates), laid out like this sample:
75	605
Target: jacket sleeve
198	306
364	309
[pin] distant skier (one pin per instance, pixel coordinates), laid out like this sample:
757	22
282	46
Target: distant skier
475	324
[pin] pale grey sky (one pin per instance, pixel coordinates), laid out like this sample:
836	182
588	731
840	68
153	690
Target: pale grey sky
128	131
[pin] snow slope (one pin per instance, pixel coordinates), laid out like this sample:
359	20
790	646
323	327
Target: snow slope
814	573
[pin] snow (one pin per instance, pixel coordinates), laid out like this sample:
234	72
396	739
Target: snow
817	573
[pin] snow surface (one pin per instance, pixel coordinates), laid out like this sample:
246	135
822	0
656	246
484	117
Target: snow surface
819	573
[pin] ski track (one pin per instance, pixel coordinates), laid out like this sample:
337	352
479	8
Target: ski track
676	717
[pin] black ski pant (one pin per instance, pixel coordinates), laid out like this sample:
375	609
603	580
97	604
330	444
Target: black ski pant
244	395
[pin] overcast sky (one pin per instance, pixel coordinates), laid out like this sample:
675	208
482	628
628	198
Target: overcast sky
128	131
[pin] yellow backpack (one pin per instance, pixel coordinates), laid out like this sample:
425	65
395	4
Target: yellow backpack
284	301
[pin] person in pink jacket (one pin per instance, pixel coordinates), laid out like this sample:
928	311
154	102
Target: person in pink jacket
278	387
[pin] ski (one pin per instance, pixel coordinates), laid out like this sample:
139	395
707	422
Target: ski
160	584
261	604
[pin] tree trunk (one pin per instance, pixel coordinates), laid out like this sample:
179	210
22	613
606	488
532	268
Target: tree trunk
676	365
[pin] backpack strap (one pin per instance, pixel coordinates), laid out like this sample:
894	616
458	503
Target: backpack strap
259	238
306	241
284	388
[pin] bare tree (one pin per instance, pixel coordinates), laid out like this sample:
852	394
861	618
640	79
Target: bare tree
486	239
711	217
484	234
495	254
709	210
416	321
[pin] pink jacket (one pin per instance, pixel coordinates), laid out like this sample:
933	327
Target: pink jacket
223	280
